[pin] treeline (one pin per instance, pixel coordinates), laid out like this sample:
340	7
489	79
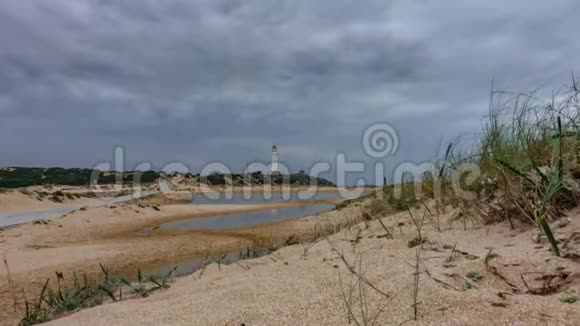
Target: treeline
17	177
258	178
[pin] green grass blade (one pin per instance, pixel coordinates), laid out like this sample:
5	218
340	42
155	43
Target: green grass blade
543	223
560	160
515	170
108	292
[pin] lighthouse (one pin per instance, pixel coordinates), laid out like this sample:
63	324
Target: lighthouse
274	160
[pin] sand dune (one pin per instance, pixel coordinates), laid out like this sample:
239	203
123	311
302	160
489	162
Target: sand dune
291	287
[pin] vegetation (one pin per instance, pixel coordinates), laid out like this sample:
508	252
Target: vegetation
258	178
527	160
569	298
475	276
17	177
57	300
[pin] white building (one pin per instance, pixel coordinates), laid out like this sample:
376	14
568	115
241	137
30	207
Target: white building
275	160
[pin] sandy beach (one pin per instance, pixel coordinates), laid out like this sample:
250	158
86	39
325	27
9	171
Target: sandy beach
310	284
82	239
255	291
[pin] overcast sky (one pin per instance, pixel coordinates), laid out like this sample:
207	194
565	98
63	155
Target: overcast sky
207	80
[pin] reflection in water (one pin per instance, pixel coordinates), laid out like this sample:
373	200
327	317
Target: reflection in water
257	197
185	267
248	219
193	264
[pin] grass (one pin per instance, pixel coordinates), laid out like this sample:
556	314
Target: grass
527	160
568	298
144	288
56	300
355	294
415	242
255	252
260	248
355	298
249	252
416	283
529	156
475	276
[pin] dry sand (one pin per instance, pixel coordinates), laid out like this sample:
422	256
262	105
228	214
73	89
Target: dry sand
295	286
82	239
13	201
303	284
27	199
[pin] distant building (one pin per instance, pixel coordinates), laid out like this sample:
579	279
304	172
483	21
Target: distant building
302	172
275	160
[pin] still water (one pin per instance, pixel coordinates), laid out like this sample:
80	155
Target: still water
241	220
258	197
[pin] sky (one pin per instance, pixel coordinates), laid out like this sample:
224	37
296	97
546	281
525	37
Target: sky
223	80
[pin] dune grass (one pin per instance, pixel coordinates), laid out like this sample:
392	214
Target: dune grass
529	156
527	160
57	300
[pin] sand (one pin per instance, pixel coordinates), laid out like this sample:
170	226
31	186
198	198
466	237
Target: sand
12	202
27	199
290	287
82	239
303	284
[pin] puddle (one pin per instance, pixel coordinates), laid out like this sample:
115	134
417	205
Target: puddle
233	221
241	220
144	233
258	197
220	198
192	265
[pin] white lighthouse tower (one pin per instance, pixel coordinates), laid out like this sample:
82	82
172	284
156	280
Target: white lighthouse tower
274	160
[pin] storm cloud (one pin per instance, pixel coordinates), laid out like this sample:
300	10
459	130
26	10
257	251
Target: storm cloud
206	80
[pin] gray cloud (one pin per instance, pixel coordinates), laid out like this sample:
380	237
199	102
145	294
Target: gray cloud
207	80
